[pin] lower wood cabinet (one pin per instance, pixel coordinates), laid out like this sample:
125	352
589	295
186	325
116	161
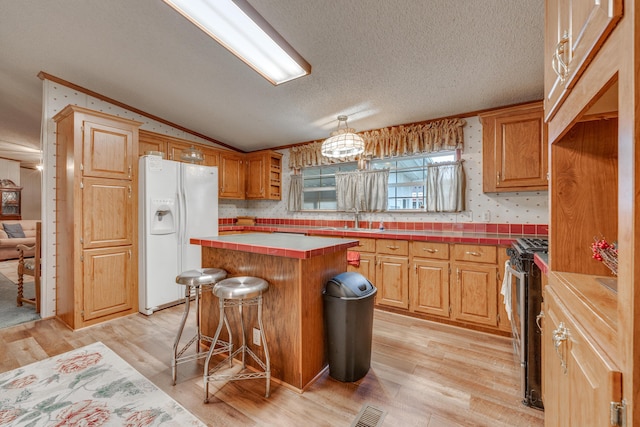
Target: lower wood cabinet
392	273
392	281
367	266
580	379
110	273
429	287
429	279
475	293
455	283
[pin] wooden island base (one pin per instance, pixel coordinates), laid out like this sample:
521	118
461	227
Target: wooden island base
292	309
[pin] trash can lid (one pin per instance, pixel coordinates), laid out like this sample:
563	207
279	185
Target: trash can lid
349	285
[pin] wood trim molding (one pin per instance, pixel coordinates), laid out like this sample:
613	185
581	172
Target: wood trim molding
42	75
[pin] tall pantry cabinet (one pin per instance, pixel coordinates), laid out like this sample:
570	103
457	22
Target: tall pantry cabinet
96	216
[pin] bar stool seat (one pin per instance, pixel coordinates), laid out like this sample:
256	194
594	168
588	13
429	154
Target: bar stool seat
239	292
194	281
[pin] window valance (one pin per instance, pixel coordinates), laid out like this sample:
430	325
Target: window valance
392	141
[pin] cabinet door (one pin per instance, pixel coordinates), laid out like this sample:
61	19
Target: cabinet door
107	151
174	150
232	176
576	371
145	146
521	153
574	32
108	281
108	213
555	384
367	267
256	177
211	157
429	287
475	294
514	149
392	281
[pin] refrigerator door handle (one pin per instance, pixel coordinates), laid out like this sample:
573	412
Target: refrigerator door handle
185	215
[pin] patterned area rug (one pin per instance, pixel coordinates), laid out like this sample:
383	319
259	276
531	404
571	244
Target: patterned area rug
90	386
10	313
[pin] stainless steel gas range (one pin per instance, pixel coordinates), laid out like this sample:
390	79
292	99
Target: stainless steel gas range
526	302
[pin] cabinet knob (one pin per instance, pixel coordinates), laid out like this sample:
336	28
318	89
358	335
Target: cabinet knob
473	253
431	251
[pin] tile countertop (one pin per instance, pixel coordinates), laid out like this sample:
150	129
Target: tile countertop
542	261
277	244
431	236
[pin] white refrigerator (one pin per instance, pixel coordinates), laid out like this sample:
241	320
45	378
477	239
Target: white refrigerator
177	201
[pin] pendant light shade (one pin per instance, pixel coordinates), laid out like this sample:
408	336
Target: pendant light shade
344	142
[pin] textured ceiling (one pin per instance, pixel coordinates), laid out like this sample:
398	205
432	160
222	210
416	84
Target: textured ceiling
379	62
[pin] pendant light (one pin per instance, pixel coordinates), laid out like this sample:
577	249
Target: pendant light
343	142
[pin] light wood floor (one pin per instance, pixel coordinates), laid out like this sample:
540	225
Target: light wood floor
422	374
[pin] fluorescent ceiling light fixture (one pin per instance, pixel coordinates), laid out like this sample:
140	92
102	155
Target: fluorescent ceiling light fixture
237	26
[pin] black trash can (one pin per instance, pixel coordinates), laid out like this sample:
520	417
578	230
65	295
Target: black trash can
348	315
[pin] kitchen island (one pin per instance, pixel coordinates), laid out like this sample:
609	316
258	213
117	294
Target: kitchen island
297	268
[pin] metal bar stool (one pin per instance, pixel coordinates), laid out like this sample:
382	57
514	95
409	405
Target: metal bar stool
238	292
194	281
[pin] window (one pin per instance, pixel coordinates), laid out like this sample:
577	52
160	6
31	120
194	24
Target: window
319	186
407	176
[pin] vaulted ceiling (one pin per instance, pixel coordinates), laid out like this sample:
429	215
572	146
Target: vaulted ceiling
380	62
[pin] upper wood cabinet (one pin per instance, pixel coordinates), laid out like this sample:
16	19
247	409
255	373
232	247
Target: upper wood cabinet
231	175
150	141
174	150
256	175
575	30
107	151
264	172
514	149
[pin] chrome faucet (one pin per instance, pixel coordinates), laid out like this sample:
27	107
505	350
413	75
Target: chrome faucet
356	223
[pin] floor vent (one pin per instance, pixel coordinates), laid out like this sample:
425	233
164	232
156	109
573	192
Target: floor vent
369	416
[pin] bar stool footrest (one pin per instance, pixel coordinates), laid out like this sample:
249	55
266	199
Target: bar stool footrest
221	347
212	376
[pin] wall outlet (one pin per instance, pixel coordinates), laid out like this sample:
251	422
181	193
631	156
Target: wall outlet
486	216
256	337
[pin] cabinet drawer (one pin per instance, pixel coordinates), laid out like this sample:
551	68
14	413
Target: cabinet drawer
475	253
392	247
430	250
365	245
